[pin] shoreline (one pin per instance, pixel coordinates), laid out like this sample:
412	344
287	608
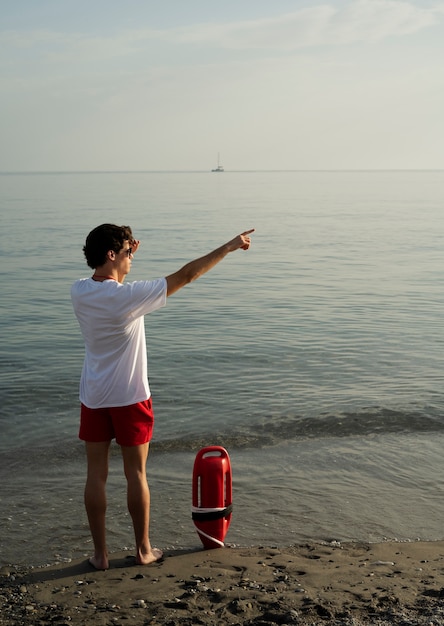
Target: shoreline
310	583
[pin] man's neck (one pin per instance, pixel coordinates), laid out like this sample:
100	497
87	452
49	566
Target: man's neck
107	272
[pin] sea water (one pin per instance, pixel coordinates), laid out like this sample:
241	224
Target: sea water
316	358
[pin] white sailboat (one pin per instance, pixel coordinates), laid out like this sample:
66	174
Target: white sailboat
219	167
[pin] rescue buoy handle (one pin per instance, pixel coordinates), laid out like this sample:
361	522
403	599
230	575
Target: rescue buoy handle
210	451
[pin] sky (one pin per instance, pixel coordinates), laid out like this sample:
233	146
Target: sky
110	85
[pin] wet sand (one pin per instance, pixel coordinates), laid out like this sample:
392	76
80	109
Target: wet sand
317	583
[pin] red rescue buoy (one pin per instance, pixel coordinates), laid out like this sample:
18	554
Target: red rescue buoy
212	490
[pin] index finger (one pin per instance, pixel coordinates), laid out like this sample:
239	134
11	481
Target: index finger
135	243
247	232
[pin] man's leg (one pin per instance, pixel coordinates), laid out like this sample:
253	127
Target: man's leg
134	461
95	499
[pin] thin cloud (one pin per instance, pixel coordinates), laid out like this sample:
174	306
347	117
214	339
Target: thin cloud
323	24
361	20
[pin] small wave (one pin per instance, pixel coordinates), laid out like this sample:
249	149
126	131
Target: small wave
258	433
272	431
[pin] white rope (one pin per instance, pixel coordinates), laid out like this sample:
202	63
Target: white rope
220	543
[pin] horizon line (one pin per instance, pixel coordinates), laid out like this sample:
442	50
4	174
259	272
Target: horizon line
176	171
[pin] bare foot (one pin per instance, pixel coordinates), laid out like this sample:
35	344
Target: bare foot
151	557
99	563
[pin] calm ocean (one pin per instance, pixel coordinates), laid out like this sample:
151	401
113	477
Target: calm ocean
316	358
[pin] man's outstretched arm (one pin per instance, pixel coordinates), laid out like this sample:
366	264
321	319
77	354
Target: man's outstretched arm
193	270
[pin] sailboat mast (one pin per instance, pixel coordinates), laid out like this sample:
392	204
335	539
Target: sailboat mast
219	167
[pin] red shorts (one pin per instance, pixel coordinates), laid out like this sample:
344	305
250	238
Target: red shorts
130	425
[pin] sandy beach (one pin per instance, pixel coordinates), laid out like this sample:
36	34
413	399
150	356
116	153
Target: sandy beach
316	583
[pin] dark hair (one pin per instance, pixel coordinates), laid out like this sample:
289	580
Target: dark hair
102	239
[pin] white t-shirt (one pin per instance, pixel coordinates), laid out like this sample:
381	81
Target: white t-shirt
110	314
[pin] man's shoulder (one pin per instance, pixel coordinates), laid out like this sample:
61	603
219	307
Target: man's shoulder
148	291
80	282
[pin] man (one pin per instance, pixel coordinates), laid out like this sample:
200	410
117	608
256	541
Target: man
114	390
